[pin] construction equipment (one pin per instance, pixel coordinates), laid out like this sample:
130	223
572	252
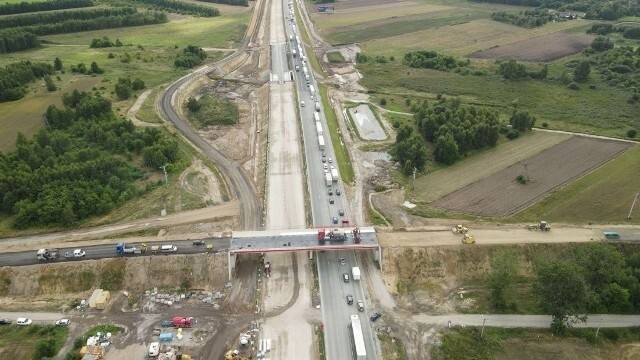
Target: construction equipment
542	226
48	254
356	235
234	355
332	235
468	239
459	229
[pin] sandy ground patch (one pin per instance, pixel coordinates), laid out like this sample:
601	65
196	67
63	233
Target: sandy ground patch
501	195
198	179
542	48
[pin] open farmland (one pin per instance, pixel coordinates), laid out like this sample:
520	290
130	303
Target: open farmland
602	196
501	195
542	48
463	39
439	183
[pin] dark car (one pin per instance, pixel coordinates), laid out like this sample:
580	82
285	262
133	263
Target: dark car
375	316
198	243
349	299
331	201
330	192
345	277
343	261
5	322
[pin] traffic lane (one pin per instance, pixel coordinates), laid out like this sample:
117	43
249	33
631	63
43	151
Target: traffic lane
109	251
37	317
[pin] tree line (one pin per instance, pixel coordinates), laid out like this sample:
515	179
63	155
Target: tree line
593	9
27	7
527	19
12	40
627	31
596	278
432	60
180	7
228	2
99	23
78	166
61	16
15	76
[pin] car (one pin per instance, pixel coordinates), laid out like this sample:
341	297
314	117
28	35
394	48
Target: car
24	321
343	261
5	322
332	167
349	299
326	171
330	192
345	277
63	322
78	253
198	243
341	212
324	154
330	161
325	167
302	103
360	305
375	316
324	159
338	192
168	248
331	201
335	220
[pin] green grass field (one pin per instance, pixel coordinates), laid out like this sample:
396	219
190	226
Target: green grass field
19	342
152	59
603	196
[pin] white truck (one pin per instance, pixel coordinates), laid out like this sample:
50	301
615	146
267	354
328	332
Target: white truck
355	271
321	142
327	178
312	90
48	254
317	105
334	174
293	53
316	117
319	127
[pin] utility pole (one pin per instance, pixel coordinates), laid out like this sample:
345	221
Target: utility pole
633	204
166	177
415	170
526	171
484	320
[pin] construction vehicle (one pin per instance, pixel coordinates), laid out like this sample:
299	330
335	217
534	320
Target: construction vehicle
459	229
267	268
332	235
123	249
468	239
234	355
542	226
356	235
48	254
182	322
355	272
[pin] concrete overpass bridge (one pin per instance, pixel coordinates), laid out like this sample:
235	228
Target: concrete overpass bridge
311	240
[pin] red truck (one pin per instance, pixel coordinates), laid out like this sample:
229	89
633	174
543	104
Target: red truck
182	322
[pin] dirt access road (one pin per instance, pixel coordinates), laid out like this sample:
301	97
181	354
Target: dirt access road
61	239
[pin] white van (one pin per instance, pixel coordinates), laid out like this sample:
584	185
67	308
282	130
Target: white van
168	248
154	349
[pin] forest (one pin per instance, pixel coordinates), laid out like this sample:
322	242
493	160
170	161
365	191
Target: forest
80	165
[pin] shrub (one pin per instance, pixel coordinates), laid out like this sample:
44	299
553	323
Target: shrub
545	125
383	102
573	86
512	134
522	179
632	133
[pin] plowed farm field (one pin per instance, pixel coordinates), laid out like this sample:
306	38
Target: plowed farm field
542	48
501	195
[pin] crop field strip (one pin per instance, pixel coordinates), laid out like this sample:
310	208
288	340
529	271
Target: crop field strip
542	48
434	185
500	194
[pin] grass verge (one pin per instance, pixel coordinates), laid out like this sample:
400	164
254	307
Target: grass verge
320	336
392	348
308	45
31	342
341	153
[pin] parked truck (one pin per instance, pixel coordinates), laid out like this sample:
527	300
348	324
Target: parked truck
355	271
328	179
48	254
182	322
123	249
334	174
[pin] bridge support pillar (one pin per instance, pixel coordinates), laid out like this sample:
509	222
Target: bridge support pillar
231	264
377	255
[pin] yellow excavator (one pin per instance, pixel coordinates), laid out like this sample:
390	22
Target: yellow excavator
468	239
234	355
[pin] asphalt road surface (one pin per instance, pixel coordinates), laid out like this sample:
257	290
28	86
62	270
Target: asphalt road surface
109	251
239	182
335	311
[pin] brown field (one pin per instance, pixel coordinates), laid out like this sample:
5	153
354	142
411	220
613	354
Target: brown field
437	184
350	4
542	48
501	195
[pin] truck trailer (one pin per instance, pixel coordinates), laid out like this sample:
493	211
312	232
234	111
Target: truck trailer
319	127
312	90
355	271
48	254
334	174
123	249
327	178
321	142
316	117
